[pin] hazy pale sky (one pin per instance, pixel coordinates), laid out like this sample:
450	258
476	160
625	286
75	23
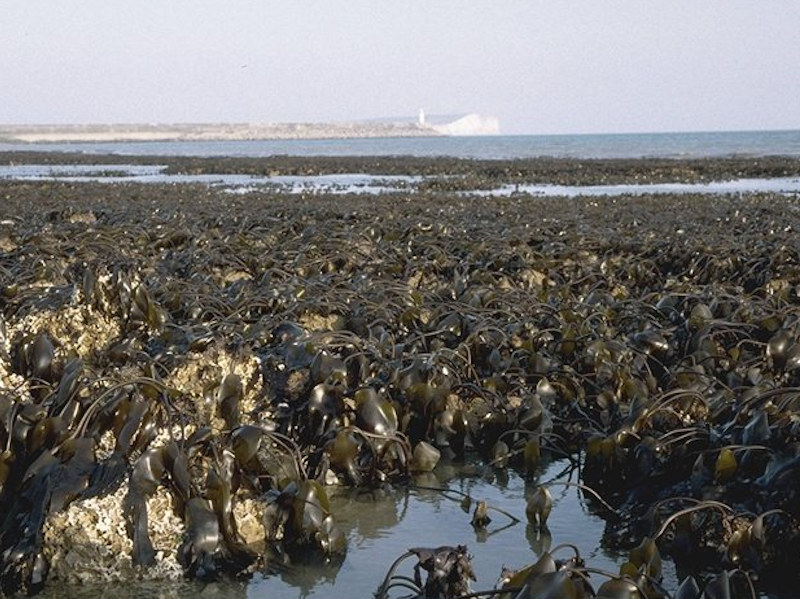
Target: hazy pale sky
555	66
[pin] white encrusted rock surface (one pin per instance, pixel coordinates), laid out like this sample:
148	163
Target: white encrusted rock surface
88	541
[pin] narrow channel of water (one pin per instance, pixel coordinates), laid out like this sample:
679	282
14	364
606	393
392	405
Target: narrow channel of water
238	183
362	183
773	185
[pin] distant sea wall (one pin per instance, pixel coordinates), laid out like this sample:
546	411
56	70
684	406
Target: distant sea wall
467	125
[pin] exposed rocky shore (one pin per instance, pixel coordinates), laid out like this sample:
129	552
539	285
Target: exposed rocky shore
184	372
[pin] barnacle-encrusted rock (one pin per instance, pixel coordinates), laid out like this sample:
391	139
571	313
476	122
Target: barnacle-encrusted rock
88	542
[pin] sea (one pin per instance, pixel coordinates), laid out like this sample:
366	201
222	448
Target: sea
621	145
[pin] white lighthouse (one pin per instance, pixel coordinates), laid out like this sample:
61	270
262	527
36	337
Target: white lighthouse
421	121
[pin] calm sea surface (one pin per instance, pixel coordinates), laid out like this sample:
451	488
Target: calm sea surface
669	145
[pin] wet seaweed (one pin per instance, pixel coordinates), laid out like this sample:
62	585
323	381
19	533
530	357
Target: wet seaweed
247	358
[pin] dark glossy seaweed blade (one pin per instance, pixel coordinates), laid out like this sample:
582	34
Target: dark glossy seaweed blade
148	472
201	552
74	477
229	396
21	534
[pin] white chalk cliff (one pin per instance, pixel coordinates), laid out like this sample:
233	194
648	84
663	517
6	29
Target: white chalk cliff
470	124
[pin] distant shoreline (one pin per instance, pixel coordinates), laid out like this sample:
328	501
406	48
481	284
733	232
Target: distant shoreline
471	124
207	132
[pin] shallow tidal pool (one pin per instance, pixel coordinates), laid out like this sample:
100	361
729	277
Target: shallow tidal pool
383	524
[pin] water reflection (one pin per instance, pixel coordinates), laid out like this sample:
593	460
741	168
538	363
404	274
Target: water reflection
229	589
539	539
360	521
302	579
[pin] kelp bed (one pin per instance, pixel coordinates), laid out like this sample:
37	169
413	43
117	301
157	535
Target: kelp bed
185	372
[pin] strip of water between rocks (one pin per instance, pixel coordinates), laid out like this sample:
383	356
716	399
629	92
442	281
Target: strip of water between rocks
365	183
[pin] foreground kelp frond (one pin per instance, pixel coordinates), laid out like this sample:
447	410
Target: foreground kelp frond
449	572
184	371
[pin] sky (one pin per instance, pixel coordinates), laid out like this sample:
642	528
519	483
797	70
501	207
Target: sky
541	67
